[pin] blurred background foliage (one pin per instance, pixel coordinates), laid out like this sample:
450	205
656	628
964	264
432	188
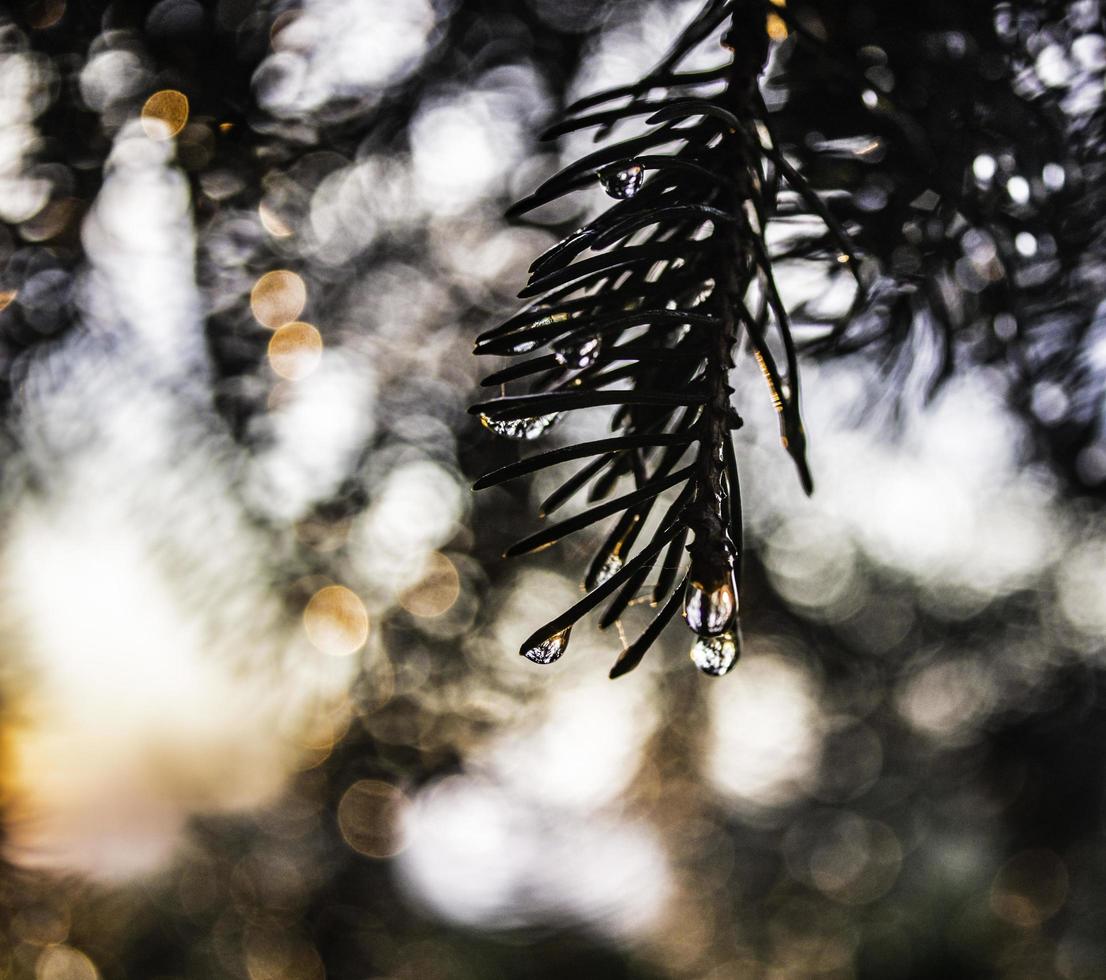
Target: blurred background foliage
262	711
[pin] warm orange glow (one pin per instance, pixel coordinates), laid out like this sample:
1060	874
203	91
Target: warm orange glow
277	298
7	296
336	621
777	29
295	350
165	114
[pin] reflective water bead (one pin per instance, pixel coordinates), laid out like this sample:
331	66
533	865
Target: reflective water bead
581	355
528	428
709	611
622	180
612	566
716	655
549	649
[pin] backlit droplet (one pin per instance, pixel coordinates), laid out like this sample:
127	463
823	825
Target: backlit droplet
612	566
709	611
528	428
622	180
716	655
549	650
580	355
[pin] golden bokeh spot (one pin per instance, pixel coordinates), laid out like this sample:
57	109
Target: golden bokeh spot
7	297
277	298
295	350
226	127
165	114
370	817
64	963
436	591
1030	888
272	222
777	29
336	621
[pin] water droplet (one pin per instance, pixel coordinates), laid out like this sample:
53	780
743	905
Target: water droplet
709	611
528	428
622	180
612	566
579	355
550	649
716	655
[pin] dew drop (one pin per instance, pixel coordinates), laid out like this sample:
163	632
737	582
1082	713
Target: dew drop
612	566
709	611
579	356
716	655
527	428
622	180
550	649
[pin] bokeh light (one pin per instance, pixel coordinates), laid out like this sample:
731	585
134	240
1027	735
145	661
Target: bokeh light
295	350
336	621
165	114
278	298
372	818
64	963
436	591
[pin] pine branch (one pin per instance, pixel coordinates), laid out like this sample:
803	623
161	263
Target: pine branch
644	308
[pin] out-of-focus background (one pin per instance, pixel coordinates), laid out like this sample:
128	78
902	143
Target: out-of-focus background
262	710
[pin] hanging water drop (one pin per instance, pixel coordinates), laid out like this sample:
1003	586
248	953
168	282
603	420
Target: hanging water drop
716	655
709	611
549	649
622	180
579	355
612	566
527	428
